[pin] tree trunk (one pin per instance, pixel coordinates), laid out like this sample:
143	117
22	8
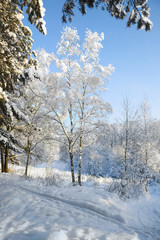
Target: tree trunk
146	156
27	163
146	186
81	138
72	168
79	170
28	156
80	162
6	159
71	144
71	161
2	159
146	160
125	160
126	149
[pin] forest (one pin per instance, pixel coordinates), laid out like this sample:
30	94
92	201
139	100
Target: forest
60	115
57	141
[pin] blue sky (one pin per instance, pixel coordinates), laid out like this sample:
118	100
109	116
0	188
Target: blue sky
134	54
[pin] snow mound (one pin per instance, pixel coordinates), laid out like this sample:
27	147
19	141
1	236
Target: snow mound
60	235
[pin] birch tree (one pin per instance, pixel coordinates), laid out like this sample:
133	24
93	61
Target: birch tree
61	89
145	130
36	130
130	118
146	141
73	91
92	80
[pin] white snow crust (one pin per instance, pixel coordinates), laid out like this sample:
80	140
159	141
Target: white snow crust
30	209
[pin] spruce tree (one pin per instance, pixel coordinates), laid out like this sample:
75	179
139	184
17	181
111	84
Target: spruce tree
15	55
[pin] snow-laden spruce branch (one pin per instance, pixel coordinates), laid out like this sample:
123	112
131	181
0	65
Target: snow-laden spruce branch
138	11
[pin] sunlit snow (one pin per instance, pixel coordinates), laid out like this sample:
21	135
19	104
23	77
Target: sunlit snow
38	209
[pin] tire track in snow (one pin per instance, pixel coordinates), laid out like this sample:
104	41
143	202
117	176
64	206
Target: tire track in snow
144	234
80	205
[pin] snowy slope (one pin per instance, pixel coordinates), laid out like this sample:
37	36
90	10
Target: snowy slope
31	210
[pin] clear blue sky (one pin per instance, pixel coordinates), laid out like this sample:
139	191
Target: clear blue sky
134	54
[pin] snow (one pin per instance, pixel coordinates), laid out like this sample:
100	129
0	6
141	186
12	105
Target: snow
42	11
32	209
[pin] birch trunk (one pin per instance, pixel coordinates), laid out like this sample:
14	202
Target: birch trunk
80	162
71	146
82	106
71	128
146	160
71	162
126	146
80	151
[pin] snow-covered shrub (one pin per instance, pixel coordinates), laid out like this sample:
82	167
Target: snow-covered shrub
47	181
50	180
127	188
133	183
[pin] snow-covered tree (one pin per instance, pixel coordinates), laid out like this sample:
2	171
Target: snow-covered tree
154	150
36	130
10	115
61	89
138	10
72	93
145	130
126	125
92	80
146	141
15	38
15	55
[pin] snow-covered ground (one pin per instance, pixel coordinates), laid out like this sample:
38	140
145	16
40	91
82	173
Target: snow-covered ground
32	209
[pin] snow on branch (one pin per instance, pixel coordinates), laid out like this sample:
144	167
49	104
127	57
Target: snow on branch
6	139
138	9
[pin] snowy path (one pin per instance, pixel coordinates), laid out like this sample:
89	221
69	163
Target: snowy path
32	212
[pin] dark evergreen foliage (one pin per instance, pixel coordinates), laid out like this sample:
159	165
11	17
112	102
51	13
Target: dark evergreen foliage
138	9
7	140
